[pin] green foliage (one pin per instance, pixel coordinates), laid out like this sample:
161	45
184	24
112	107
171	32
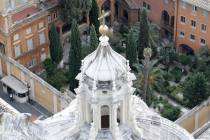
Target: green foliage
75	56
93	39
166	53
177	73
170	112
131	49
49	66
143	38
93	16
55	77
73	9
55	45
195	89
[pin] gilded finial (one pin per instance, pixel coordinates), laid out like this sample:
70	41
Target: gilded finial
103	29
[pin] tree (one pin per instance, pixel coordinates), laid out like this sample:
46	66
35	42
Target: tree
93	16
149	76
131	49
143	38
195	89
73	9
93	39
55	45
74	55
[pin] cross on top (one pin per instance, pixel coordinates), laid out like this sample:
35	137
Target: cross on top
103	16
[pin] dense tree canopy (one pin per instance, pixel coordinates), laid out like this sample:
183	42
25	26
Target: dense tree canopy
73	9
93	16
55	45
93	39
75	55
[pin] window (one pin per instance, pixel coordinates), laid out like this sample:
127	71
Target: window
43	56
203	28
205	13
31	63
17	50
30	44
203	41
55	15
193	23
146	6
192	37
41	25
28	31
49	18
42	38
16	37
194	8
183	5
181	34
182	19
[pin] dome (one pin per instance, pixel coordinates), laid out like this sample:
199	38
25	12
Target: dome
104	64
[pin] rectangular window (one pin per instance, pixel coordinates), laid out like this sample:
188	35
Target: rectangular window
192	37
203	41
16	37
28	31
182	19
203	28
42	38
194	8
181	34
30	44
49	19
17	50
193	23
55	15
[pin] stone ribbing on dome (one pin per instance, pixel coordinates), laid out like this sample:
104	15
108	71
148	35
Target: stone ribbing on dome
204	4
104	64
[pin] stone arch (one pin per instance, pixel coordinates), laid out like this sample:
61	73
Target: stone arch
165	17
105	117
184	48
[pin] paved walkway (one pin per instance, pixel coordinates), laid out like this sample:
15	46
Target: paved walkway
172	102
35	109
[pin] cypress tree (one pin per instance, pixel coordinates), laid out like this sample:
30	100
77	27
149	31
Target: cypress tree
55	45
131	49
93	16
143	38
75	55
93	39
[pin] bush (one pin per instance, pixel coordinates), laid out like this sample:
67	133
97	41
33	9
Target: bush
184	59
177	73
170	112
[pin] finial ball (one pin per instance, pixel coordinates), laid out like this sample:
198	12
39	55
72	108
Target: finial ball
103	29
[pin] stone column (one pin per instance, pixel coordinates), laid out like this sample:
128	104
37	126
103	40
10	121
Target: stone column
113	116
196	120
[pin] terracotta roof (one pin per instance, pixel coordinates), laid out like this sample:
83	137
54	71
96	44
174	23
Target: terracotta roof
134	4
204	4
24	13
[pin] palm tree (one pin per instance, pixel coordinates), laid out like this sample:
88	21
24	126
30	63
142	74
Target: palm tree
149	76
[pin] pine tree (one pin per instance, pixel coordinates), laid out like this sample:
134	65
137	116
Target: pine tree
143	38
93	39
93	16
131	53
74	55
55	45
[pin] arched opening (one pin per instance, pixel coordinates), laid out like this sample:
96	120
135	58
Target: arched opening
118	116
165	17
172	21
125	17
105	120
186	49
2	48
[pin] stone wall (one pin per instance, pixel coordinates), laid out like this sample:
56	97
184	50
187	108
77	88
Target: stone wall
41	92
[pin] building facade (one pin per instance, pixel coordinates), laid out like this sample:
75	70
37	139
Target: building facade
192	24
24	26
